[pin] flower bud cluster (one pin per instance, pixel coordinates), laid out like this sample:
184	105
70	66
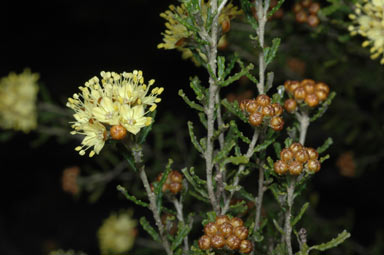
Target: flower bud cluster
306	12
297	158
260	109
226	232
308	91
173	182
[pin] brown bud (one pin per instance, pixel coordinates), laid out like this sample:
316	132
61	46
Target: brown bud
299	93
301	16
306	3
175	176
243	104
226	25
292	86
307	81
217	241
309	88
205	242
277	123
245	246
314	8
295	147
233	242
278	109
313	165
313	20
323	86
311	100
268	110
236	222
165	187
175	187
280	167
221	219
180	42
255	119
302	156
295	168
312	153
263	100
251	106
290	105
118	132
286	154
226	229
287	84
241	232
210	229
297	7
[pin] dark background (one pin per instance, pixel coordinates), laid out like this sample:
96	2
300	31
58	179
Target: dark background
68	42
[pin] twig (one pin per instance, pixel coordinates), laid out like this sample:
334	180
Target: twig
180	217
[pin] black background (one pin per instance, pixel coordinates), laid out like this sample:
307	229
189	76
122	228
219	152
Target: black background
68	42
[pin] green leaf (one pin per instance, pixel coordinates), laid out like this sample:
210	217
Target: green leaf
236	160
238	133
333	243
182	232
238	208
236	76
145	131
234	108
203	119
131	197
192	104
264	145
277	147
246	194
288	141
195	182
325	145
158	186
322	159
130	160
270	52
193	137
232	61
232	187
276	224
224	152
149	229
246	5
199	90
221	67
274	9
324	106
300	215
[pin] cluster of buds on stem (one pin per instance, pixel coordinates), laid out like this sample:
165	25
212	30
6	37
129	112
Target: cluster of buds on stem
174	182
297	158
226	232
306	12
260	109
308	91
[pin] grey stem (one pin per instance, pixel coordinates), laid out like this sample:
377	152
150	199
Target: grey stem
180	217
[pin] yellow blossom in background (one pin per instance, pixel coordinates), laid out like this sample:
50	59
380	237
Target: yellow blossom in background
18	93
368	21
176	35
117	234
116	100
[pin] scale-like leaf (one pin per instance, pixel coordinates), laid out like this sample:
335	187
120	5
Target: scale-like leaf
149	229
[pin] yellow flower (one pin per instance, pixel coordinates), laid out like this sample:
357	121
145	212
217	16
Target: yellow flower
18	94
368	21
176	34
114	100
117	234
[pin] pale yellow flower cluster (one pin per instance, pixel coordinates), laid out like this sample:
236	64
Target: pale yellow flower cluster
368	21
18	94
117	234
111	107
176	34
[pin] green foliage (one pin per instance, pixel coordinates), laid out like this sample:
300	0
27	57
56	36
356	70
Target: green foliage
325	146
131	197
149	229
234	108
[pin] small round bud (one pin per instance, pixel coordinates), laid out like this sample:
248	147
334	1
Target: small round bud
243	104
263	100
280	167
295	168
321	95
313	165
313	20
290	105
226	229
276	123
233	242
299	93
205	242
295	147
311	100
255	119
175	176
210	229
278	109
306	3
175	187
323	86
312	153
165	187
241	232
251	106
309	88
307	81
118	132
287	84
221	219
302	156
297	7
314	8
268	110
236	222
226	25
301	16
217	241
245	246
286	154
293	85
